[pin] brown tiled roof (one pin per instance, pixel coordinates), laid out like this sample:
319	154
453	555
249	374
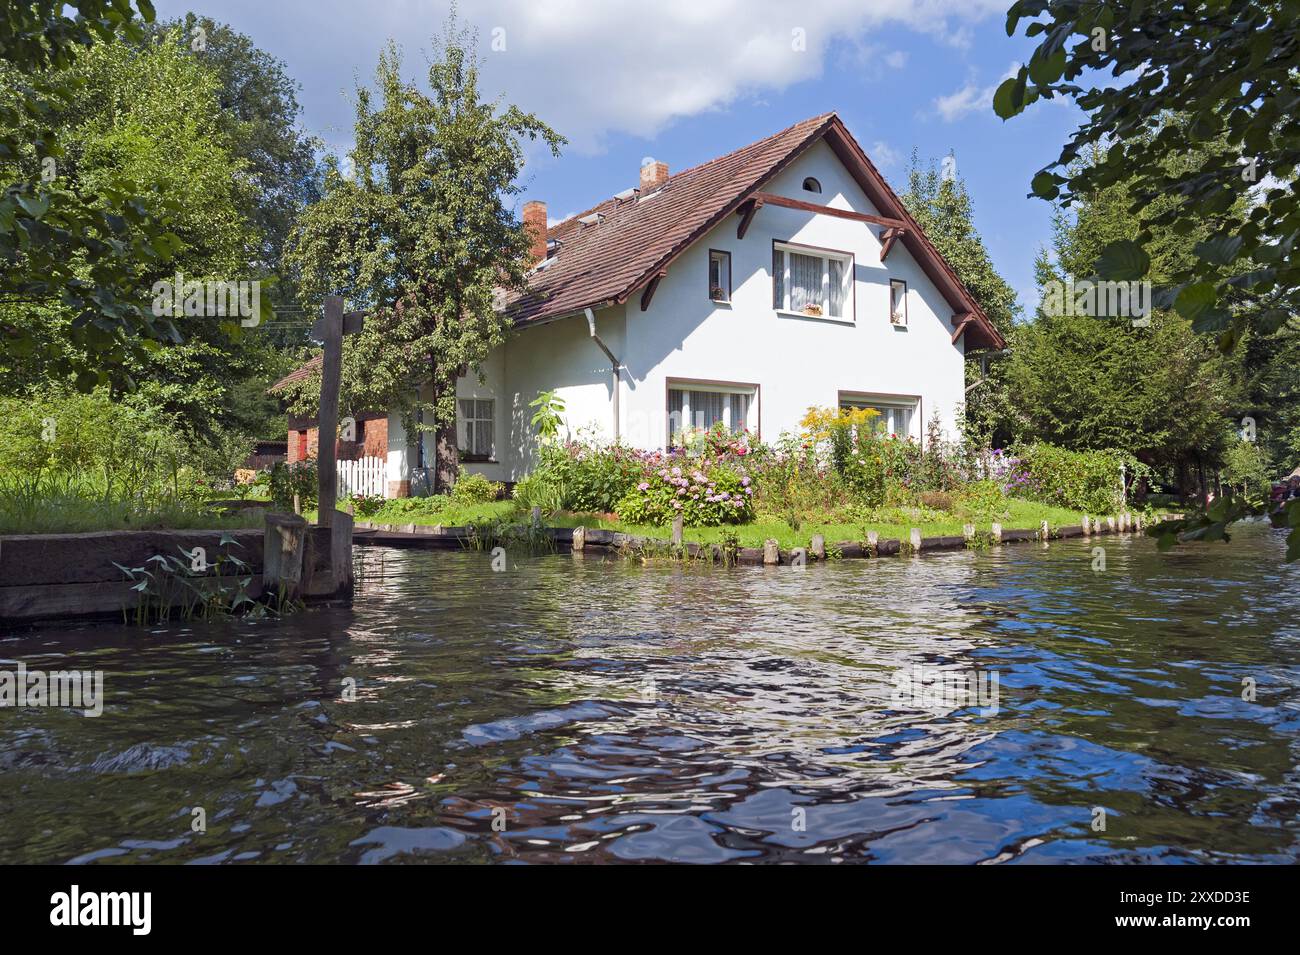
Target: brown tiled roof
305	370
606	262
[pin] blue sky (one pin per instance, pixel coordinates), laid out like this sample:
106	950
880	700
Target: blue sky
686	80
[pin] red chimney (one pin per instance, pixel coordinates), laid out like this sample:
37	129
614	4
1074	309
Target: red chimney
535	223
653	175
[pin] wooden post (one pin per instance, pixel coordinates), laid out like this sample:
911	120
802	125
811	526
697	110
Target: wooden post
1110	523
997	533
330	329
341	551
914	538
1137	521
771	552
873	542
328	419
968	532
282	552
818	547
1087	526
1043	532
677	531
579	538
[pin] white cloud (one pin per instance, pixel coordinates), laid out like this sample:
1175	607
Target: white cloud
675	58
884	155
970	98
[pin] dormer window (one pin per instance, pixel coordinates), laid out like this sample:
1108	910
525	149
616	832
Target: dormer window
812	185
719	275
898	302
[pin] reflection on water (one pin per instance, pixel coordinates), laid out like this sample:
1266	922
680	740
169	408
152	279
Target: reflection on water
575	710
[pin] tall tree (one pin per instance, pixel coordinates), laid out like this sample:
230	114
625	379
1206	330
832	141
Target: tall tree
941	203
260	113
152	114
59	243
421	234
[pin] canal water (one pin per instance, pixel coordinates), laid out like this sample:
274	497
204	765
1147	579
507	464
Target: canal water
1018	705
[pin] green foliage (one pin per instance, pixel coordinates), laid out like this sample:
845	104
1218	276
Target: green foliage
942	206
300	478
475	489
61	246
1227	70
548	415
584	475
1081	480
1247	469
981	502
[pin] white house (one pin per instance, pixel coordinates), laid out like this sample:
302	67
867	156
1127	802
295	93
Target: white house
744	290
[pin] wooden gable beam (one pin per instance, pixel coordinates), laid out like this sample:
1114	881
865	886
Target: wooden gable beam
770	198
890	236
747	211
649	292
960	321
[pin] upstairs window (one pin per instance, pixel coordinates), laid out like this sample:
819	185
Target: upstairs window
719	275
812	185
814	282
898	302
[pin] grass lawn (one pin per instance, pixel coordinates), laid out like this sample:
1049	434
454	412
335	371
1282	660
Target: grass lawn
70	514
1019	514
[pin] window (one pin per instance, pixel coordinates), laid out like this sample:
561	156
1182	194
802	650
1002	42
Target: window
719	276
703	406
895	414
812	281
811	185
476	437
898	301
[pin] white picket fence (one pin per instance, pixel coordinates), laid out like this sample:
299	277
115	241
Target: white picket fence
366	476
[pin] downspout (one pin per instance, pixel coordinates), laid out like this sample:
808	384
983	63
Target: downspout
591	327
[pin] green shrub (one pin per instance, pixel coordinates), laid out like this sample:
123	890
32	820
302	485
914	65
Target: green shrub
300	478
586	476
475	489
1080	480
980	502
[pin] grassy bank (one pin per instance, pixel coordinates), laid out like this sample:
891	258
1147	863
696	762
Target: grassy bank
893	523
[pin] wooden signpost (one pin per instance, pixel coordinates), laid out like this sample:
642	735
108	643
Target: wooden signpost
330	329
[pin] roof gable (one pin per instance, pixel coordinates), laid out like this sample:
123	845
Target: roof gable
606	260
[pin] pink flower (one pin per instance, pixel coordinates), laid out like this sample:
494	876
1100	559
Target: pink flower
677	504
744	482
643	486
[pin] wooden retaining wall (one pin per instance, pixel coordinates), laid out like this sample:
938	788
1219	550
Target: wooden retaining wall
595	539
60	577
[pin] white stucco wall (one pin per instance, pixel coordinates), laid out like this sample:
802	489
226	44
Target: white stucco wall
796	361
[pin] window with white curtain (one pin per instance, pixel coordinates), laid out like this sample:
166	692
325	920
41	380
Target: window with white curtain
703	407
812	281
476	427
893	416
